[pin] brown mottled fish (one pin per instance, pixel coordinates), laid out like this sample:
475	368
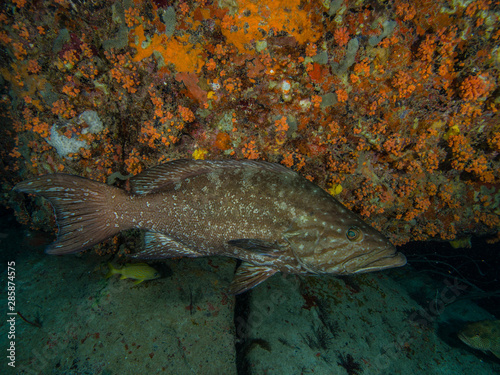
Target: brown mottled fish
265	214
483	335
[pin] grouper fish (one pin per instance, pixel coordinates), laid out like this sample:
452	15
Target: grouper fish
483	335
266	215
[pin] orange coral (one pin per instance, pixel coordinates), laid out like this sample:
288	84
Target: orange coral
133	162
253	17
250	151
123	73
70	90
63	109
281	125
316	100
70	58
41	128
19	51
178	51
132	16
341	36
15	153
4	38
341	95
404	83
186	114
34	67
158	104
211	64
405	11
311	49
494	142
223	141
475	6
19	3
474	88
288	159
479	166
183	7
149	134
362	68
461	149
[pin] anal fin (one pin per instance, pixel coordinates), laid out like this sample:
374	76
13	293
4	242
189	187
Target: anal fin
249	275
160	246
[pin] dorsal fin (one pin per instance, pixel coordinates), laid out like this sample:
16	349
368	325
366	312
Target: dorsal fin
165	175
161	176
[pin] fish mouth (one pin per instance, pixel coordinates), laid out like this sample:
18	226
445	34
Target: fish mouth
392	261
378	262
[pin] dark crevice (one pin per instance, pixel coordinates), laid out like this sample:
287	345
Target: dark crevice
241	314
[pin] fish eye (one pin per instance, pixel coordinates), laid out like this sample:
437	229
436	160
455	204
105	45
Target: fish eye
354	234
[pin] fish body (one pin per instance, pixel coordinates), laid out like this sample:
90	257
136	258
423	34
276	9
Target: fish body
137	271
461	243
483	335
263	213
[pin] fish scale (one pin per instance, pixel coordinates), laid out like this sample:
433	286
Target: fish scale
264	214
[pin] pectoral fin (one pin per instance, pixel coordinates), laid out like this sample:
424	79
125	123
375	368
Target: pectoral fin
496	352
271	249
160	246
249	275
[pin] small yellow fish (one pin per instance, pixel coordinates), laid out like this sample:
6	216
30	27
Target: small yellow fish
461	243
136	271
483	335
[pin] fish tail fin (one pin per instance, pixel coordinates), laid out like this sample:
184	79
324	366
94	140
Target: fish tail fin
112	271
84	210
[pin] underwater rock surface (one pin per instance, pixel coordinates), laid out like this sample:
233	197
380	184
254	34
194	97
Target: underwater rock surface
91	325
360	324
397	322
